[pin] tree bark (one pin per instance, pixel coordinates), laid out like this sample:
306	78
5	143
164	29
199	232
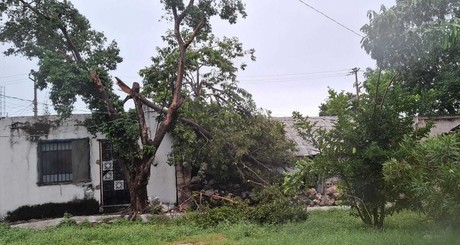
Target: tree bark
184	192
137	185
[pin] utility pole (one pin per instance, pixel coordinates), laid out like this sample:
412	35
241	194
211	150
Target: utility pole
355	71
32	76
2	102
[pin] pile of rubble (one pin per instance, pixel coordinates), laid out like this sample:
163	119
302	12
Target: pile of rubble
314	198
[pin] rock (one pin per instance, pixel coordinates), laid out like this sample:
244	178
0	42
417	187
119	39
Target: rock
331	190
311	193
316	202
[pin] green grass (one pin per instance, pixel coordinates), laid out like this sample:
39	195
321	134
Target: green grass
331	227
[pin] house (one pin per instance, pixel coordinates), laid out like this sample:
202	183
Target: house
45	160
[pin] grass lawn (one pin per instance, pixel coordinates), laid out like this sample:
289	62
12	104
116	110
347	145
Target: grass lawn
323	227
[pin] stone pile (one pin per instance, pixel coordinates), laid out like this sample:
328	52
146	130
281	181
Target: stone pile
314	198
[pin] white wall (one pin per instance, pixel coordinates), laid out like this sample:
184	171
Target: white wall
162	182
18	167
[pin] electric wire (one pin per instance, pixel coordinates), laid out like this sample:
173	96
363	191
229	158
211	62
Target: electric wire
15	75
330	18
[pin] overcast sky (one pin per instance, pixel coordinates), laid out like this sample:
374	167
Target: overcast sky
300	53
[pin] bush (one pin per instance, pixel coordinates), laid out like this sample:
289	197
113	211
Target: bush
273	207
277	212
426	177
270	206
208	217
54	210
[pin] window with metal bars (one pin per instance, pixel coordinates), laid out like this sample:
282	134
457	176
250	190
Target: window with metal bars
63	161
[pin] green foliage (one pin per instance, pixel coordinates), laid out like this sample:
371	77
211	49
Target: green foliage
211	217
426	177
243	147
304	175
67	221
274	207
217	104
420	40
270	206
322	227
366	134
66	47
335	103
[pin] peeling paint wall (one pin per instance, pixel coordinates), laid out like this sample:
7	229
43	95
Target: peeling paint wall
19	159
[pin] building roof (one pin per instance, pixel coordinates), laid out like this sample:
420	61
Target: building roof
442	124
305	148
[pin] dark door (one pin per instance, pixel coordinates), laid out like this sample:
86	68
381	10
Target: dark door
113	181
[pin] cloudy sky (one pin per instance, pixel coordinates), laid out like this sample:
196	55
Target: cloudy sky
300	53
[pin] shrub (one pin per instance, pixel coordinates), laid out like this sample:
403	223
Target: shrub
211	217
67	221
273	207
426	177
270	206
54	210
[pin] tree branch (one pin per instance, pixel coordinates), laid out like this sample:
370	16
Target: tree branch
143	129
71	45
388	88
101	89
195	32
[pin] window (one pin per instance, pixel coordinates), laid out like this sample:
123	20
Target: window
63	161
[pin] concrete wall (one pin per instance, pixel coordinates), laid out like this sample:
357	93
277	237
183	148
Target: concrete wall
18	165
19	159
162	182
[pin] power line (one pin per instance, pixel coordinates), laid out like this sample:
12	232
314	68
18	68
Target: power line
292	79
295	74
16	98
325	15
15	75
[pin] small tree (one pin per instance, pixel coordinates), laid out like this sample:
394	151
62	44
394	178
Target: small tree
367	134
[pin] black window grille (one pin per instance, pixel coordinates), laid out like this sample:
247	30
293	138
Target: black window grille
63	161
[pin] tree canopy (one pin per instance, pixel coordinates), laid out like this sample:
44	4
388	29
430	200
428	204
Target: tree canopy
419	40
232	151
74	60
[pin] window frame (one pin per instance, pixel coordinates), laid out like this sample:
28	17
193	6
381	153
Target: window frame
79	165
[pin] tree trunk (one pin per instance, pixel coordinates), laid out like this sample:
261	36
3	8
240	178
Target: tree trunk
184	178
137	185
